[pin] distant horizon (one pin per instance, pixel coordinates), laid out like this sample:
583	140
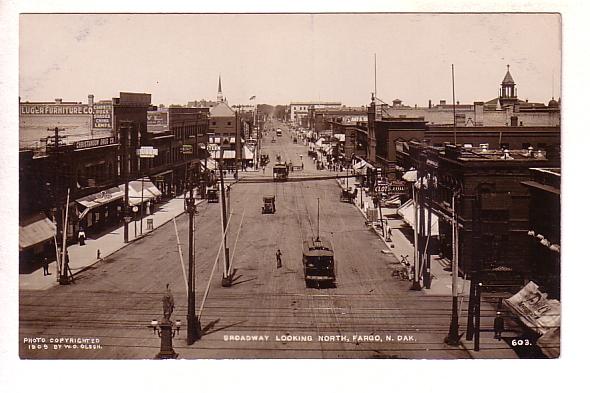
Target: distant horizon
281	58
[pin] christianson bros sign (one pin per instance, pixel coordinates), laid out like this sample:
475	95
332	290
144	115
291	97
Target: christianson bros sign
88	143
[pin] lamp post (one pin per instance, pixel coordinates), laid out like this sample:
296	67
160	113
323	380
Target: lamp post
165	328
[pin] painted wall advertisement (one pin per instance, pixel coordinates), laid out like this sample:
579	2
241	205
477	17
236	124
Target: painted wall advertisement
102	115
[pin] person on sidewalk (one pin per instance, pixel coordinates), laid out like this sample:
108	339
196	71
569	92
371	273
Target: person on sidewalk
498	326
81	236
46	267
279	262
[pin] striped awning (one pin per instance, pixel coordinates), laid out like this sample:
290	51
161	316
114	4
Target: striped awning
150	191
35	229
98	199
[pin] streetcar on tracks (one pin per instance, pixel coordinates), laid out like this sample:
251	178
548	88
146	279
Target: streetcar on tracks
280	172
318	263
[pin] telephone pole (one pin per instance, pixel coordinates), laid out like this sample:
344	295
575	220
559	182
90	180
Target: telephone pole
226	279
124	127
56	188
453	336
193	331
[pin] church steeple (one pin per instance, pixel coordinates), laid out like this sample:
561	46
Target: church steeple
219	92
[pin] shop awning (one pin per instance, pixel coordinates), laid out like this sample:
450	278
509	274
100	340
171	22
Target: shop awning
211	164
35	229
227	154
150	191
534	309
410	176
408	214
98	199
359	165
248	153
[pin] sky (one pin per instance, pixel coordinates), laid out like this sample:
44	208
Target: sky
281	58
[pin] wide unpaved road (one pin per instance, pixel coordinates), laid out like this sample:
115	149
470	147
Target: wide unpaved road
116	299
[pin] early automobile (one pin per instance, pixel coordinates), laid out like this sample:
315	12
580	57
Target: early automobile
318	262
268	206
212	195
348	195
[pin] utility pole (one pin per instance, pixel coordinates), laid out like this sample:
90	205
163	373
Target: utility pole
416	279
454	115
453	336
226	279
124	128
238	120
56	189
193	331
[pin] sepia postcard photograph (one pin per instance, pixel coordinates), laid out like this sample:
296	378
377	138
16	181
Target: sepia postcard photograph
304	185
284	197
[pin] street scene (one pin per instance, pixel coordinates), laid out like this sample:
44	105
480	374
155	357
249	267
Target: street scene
275	226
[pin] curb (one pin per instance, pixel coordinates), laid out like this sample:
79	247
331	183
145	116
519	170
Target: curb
372	226
83	269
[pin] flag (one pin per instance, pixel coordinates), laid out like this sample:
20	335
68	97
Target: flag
252	98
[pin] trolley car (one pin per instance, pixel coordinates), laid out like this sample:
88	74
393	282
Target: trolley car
280	172
318	263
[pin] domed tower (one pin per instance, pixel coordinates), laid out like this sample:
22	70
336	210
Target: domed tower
508	89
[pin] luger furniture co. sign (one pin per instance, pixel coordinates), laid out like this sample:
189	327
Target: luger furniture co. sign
55	109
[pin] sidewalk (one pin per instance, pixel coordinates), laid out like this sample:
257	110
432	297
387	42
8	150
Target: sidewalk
400	245
82	257
441	284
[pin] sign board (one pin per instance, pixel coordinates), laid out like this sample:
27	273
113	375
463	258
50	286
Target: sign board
98	142
187	149
147	152
55	109
157	120
535	309
102	115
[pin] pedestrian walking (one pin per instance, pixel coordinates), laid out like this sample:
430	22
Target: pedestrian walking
46	267
279	262
498	326
81	236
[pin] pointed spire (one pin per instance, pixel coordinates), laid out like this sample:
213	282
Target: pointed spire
508	78
219	92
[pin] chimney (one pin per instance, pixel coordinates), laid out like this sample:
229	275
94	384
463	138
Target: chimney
58	100
429	104
443	102
90	99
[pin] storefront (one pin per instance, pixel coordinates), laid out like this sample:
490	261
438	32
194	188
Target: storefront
142	192
164	182
100	209
35	235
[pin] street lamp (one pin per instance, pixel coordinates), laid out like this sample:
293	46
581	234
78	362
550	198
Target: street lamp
165	328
